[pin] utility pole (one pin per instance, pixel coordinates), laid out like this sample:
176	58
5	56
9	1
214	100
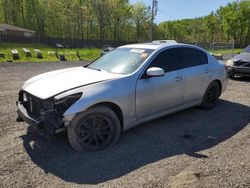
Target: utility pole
153	14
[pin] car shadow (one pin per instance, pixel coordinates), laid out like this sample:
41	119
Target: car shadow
187	132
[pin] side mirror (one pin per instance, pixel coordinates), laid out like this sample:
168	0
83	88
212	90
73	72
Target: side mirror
155	72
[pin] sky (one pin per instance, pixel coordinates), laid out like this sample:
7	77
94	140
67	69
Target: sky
180	9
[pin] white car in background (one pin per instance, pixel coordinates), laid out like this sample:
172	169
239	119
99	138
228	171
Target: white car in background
164	41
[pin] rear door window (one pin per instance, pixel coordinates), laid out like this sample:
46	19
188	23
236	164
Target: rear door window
192	57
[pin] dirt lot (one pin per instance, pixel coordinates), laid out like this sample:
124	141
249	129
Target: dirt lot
192	148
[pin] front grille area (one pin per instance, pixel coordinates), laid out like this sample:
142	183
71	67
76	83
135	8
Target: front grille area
242	63
32	104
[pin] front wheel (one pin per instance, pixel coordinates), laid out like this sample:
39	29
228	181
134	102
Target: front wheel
211	96
95	129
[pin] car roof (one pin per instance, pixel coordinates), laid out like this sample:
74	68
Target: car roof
157	46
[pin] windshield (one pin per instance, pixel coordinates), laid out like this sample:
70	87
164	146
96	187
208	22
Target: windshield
247	49
121	60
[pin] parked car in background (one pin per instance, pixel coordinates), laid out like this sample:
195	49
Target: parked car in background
164	41
127	86
106	49
239	65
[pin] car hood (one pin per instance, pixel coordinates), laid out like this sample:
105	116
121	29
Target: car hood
52	83
242	57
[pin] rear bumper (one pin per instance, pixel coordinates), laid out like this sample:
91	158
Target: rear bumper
241	71
47	125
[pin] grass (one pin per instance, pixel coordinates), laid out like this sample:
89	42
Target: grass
225	51
70	54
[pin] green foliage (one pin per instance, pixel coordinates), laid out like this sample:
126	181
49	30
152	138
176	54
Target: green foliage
82	19
229	22
140	19
119	20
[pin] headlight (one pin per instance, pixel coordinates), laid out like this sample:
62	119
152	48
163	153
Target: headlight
64	103
229	63
25	99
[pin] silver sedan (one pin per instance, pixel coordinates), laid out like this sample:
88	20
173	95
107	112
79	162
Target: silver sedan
125	87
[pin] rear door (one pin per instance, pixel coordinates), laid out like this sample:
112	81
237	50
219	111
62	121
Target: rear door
196	72
158	93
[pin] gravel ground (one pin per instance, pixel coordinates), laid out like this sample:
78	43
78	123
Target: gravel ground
192	148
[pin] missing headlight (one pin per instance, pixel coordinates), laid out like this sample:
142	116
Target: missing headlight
48	105
64	103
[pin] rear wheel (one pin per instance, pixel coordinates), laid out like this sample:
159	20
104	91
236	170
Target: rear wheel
95	129
211	96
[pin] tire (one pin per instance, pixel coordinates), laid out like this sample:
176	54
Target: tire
211	96
95	129
232	76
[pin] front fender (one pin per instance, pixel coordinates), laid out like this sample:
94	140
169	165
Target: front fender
116	92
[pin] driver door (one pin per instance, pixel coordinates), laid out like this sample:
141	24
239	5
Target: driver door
154	94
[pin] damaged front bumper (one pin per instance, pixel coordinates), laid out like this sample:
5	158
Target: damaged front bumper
48	123
239	70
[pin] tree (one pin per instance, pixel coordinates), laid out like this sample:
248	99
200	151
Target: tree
212	23
141	19
101	10
120	20
119	14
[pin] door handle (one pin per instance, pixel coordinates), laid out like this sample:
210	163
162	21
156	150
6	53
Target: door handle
178	78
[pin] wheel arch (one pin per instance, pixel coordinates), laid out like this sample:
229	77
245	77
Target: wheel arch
209	83
117	110
219	82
